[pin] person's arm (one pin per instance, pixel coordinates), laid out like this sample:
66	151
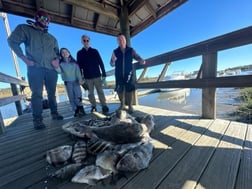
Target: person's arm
137	57
16	38
113	59
56	65
27	61
78	75
79	63
101	64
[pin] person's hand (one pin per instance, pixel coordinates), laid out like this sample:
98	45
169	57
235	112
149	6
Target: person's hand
104	82
27	61
113	60
81	82
142	62
55	63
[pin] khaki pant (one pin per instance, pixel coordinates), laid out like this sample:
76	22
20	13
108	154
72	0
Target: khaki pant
95	83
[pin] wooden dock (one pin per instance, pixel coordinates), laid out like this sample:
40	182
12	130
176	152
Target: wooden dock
189	153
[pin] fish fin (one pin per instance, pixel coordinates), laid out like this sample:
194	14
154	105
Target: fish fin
92	182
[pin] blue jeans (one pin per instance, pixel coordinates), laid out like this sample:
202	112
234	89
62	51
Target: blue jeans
74	93
37	78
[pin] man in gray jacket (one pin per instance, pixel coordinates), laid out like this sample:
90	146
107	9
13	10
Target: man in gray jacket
41	53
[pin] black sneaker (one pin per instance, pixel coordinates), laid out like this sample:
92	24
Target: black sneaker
38	124
105	109
93	109
57	116
81	111
131	110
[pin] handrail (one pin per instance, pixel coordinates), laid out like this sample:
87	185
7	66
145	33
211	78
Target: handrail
207	73
207	78
16	96
227	41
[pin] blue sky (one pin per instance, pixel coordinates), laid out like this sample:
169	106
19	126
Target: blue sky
194	21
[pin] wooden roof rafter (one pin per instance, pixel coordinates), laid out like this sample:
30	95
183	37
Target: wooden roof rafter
94	6
102	16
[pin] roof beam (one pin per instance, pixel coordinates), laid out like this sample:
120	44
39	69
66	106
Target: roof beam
39	4
169	7
163	11
136	6
95	6
150	8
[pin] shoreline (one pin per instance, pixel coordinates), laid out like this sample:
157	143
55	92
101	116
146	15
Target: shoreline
226	102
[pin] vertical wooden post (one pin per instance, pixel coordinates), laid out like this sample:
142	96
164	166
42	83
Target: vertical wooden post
125	30
209	70
17	103
124	23
2	127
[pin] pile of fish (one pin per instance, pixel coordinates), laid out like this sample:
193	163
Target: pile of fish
103	148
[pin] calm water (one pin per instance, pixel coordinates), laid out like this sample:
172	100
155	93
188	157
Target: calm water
226	102
226	99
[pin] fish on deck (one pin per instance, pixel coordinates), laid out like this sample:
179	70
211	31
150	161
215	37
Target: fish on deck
136	159
91	174
122	132
59	155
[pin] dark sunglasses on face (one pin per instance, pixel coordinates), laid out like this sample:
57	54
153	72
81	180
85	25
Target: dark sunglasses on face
44	18
85	40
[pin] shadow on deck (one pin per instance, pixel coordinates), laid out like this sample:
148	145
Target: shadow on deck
189	153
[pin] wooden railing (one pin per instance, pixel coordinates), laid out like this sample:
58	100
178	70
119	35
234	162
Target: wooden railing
207	78
16	95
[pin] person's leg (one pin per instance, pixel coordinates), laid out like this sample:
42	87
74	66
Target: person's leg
51	78
70	93
78	99
91	95
129	97
36	81
100	93
121	94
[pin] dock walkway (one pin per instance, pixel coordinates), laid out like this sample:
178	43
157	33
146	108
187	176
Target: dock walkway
189	152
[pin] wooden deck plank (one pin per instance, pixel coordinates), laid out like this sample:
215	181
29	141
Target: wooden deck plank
186	153
172	130
196	159
244	180
164	163
222	170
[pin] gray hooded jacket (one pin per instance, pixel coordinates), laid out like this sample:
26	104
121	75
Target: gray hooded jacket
40	46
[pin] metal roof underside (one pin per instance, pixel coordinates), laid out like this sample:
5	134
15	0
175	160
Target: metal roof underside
102	16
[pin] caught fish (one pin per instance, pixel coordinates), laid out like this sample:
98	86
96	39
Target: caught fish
90	175
121	116
79	151
96	145
121	133
75	128
136	159
123	148
59	155
95	122
67	171
125	132
148	120
107	160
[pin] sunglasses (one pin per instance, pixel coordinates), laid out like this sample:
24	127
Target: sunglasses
85	40
44	18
